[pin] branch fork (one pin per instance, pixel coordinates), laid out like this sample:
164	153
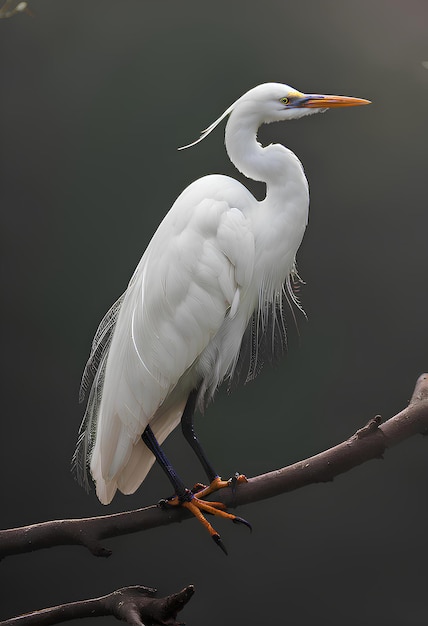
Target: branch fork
135	605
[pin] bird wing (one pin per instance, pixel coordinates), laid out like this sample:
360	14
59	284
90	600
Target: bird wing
189	279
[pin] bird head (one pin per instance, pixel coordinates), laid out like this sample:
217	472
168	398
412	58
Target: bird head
274	102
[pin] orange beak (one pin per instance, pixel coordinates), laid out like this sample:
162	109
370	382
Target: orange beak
313	101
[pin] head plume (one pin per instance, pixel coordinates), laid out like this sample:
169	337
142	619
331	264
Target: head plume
211	127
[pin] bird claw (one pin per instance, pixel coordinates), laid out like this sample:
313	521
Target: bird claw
194	502
218	541
241	520
236	480
198	487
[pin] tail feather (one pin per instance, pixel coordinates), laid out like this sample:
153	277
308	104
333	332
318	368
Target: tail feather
129	476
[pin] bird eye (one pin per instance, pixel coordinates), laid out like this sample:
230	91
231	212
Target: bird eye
285	100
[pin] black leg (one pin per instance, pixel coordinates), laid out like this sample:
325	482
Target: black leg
190	435
152	444
186	498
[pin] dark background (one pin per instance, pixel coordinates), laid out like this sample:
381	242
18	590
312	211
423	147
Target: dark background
95	98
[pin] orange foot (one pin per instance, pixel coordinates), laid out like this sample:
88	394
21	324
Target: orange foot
192	501
201	491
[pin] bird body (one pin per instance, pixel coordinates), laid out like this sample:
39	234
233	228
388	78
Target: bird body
218	260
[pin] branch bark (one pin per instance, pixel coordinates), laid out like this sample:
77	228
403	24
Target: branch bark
370	442
135	605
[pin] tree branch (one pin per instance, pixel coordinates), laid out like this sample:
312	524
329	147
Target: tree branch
370	442
135	605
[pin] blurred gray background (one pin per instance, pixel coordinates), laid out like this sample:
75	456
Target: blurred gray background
96	96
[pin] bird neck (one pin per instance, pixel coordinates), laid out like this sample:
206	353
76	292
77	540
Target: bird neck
282	216
275	165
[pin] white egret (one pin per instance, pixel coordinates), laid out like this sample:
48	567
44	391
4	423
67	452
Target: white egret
209	286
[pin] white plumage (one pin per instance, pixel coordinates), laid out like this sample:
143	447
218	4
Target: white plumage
217	263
